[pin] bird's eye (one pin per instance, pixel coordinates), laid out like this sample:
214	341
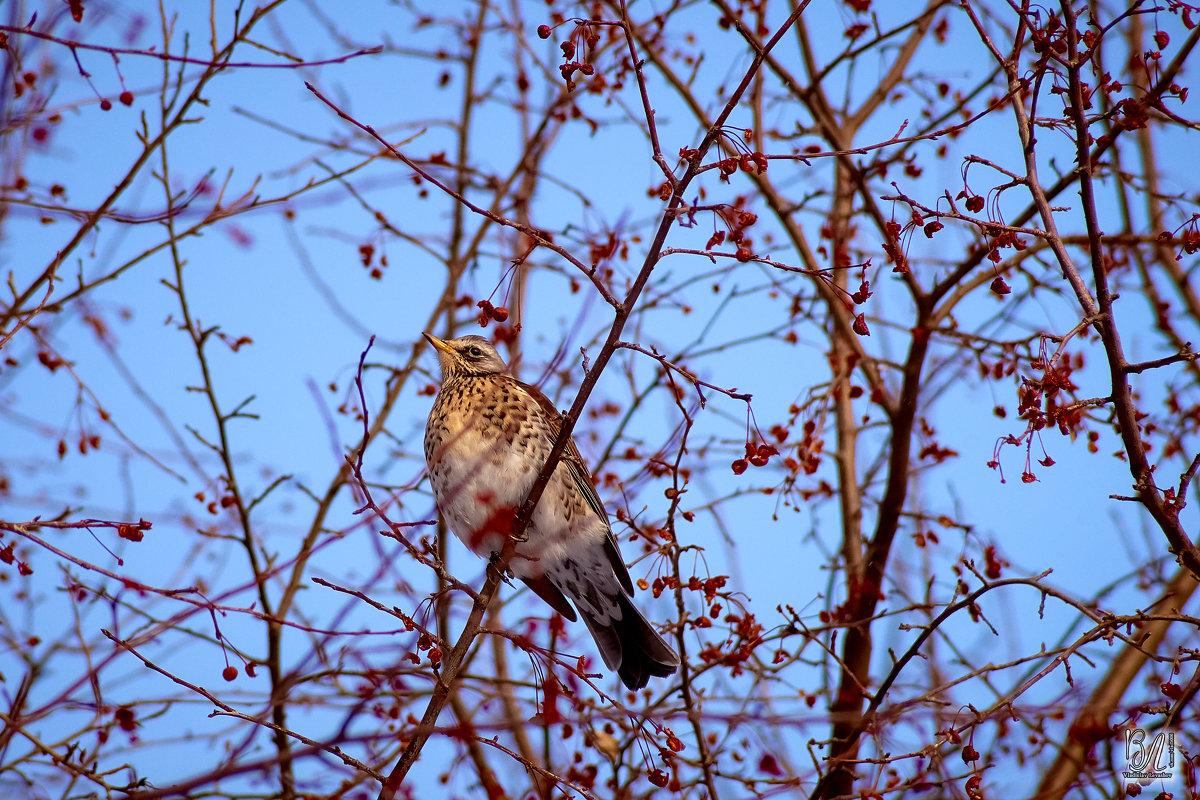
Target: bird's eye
475	351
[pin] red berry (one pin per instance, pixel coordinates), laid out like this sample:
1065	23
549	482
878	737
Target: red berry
126	97
739	466
500	314
105	104
229	673
543	31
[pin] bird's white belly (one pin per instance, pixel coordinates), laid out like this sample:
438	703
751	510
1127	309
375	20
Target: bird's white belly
480	497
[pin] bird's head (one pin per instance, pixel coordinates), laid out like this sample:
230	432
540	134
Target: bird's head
466	356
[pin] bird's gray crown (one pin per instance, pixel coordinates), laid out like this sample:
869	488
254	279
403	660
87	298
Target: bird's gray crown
467	355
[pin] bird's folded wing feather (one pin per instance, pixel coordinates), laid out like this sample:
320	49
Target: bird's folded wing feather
579	474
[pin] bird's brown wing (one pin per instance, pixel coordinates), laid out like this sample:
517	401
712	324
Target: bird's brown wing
581	476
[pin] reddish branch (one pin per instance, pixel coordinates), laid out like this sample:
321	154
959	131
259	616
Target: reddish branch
217	63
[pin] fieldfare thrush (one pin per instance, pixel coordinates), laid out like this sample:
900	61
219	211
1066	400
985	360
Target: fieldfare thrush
487	438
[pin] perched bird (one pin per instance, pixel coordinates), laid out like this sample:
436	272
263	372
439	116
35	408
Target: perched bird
487	438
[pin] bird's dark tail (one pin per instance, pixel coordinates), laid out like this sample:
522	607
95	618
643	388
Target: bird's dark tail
631	646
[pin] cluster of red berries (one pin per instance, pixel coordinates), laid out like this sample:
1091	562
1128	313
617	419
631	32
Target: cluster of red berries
974	201
489	312
1190	238
134	533
591	38
7	557
756	455
753	163
230	672
571	67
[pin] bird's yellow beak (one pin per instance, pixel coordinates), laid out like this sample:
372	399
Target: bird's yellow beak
437	343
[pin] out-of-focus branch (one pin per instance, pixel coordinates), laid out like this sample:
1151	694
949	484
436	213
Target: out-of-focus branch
179	118
1106	697
1164	512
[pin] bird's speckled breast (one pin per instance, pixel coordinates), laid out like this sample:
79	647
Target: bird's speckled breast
485	442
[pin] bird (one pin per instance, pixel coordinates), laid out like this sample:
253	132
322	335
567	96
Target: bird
487	438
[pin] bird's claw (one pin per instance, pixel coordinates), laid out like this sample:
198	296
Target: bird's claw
494	565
